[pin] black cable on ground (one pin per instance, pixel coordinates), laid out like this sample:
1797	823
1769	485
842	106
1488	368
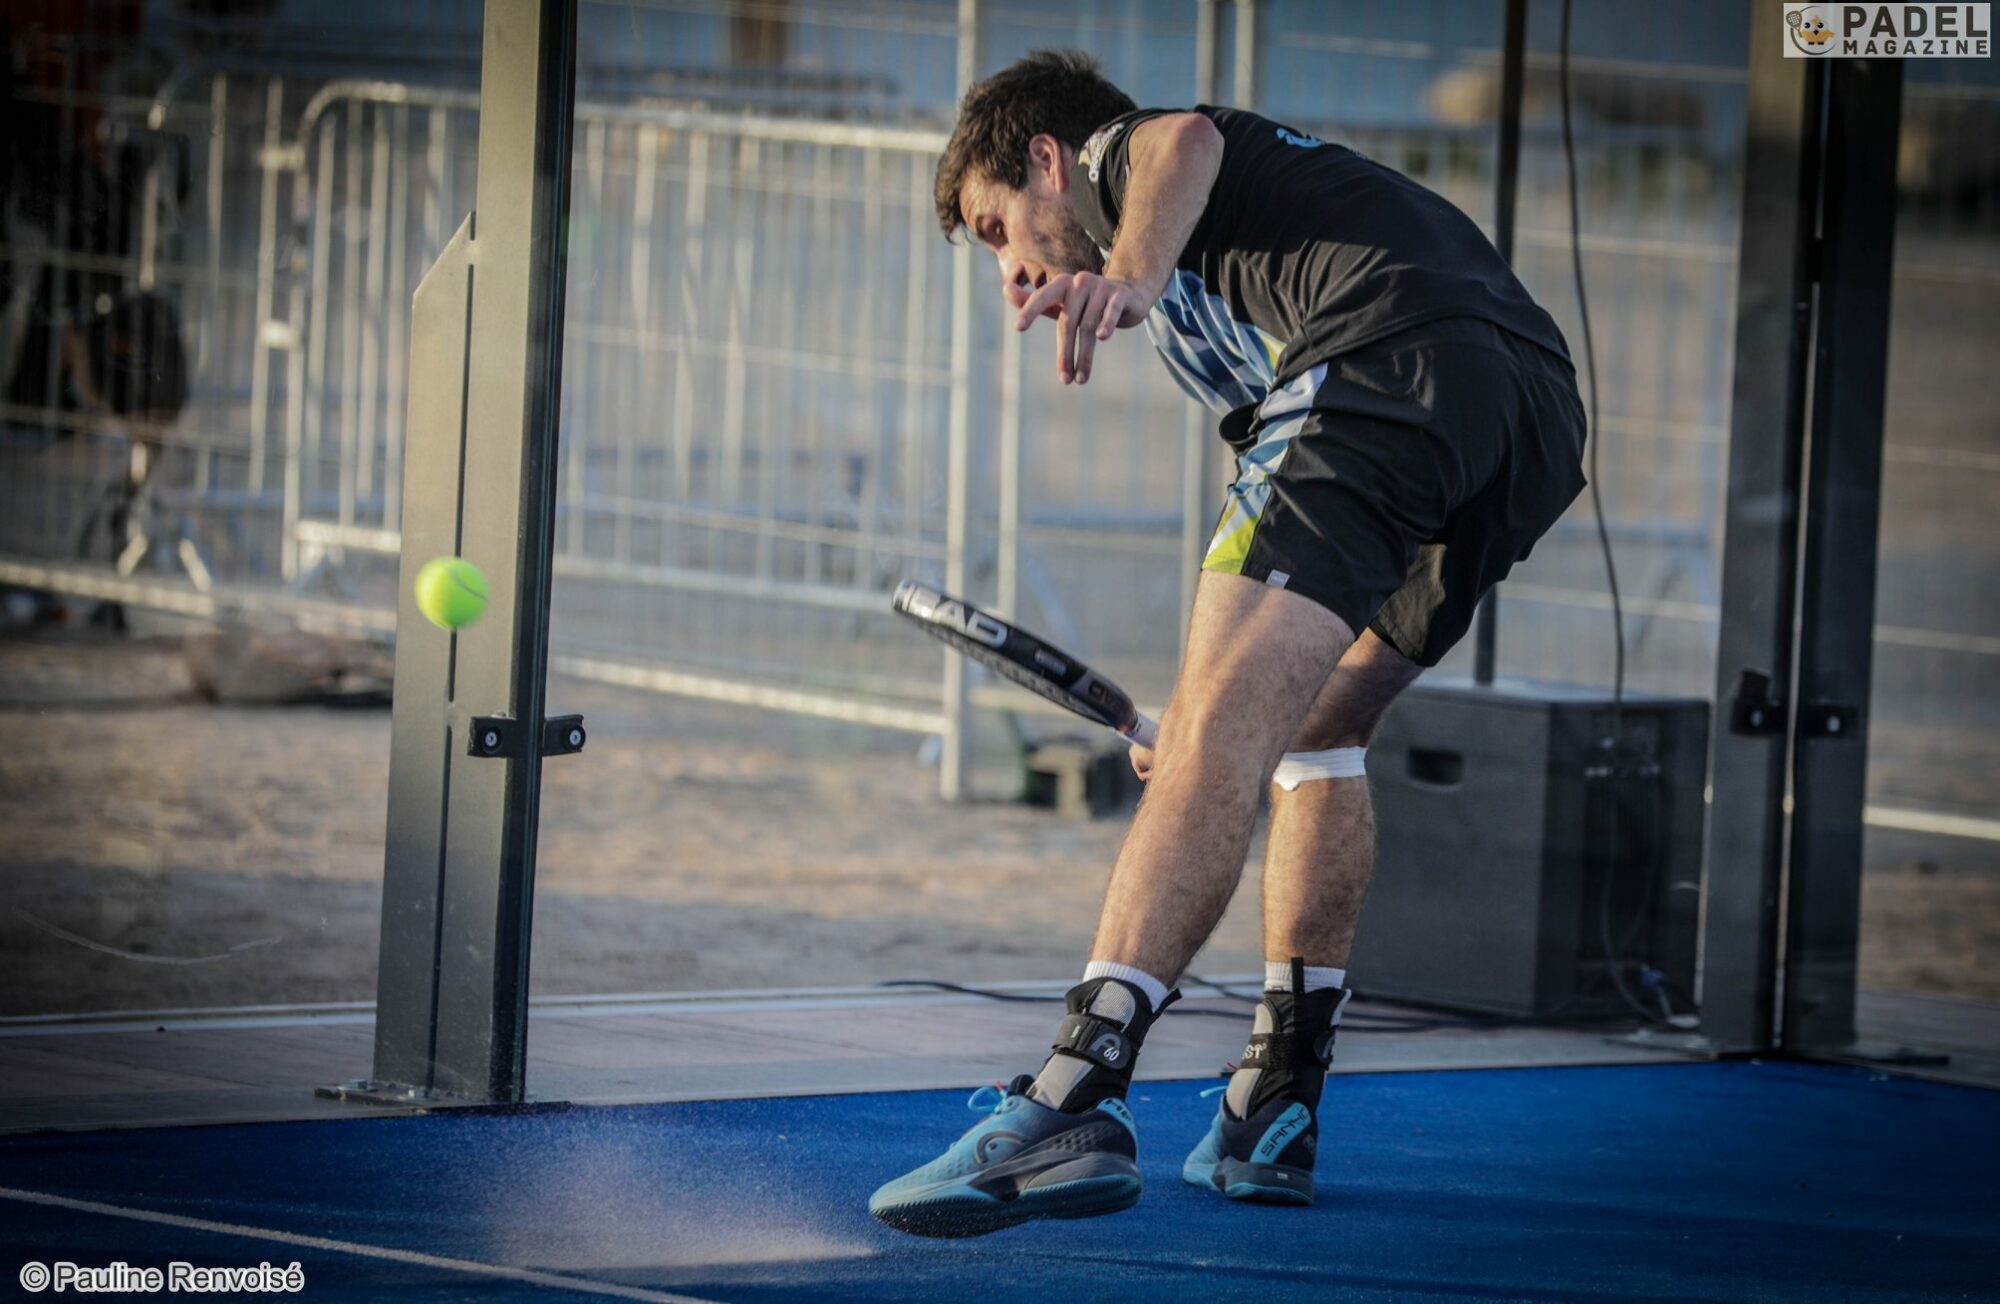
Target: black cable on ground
1353	1021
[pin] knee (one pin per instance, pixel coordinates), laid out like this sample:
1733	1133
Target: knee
1193	728
1184	729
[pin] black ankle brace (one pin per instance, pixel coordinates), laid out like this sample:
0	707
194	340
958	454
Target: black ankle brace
1109	1046
1293	1057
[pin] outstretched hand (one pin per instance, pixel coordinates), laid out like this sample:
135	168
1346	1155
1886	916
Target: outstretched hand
1087	308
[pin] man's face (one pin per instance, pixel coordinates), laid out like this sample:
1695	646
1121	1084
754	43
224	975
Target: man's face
1032	231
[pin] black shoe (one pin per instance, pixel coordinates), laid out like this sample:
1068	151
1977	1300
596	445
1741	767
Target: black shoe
1266	1158
1261	1145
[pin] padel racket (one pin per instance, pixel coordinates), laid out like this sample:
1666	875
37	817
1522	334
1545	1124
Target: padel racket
1023	658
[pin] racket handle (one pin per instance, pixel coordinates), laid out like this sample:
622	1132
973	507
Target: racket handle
1145	731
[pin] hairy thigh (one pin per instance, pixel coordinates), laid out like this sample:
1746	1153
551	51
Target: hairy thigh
1256	657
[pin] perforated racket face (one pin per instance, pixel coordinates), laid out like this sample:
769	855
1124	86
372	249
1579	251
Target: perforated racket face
1016	654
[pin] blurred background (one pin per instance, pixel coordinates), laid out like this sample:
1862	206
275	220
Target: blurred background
215	214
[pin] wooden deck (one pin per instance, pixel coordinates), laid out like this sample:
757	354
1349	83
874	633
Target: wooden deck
264	1064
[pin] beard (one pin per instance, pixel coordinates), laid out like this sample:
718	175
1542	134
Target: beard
1070	248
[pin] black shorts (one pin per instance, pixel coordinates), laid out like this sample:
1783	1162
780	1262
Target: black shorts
1396	484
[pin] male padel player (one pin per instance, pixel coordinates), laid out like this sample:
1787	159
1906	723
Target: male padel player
1406	425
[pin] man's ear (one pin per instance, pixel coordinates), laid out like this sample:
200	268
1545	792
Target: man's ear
1047	157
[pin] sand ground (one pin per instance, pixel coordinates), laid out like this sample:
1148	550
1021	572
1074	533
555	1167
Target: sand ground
157	850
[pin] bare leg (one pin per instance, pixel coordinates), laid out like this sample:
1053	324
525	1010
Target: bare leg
1320	854
1318	862
1256	657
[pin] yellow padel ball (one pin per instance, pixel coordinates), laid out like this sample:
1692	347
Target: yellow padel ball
451	592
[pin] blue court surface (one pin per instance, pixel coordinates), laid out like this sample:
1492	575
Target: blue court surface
1731	1181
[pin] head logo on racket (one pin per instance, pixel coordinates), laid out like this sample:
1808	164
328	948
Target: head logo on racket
929	604
1017	655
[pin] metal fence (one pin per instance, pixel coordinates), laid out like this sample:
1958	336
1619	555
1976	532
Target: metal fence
761	388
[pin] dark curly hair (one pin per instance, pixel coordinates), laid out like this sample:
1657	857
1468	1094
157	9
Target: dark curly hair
1061	93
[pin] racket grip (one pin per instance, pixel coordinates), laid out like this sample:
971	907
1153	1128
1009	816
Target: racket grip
1145	731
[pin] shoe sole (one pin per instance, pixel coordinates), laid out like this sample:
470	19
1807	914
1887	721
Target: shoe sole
1081	1188
1257	1183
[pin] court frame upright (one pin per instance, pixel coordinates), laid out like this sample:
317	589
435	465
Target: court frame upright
469	728
1789	754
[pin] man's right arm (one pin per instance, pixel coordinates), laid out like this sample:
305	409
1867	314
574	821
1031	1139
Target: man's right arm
1172	164
1174	161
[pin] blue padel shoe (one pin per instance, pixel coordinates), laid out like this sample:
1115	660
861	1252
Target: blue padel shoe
1266	1158
1023	1160
1266	1130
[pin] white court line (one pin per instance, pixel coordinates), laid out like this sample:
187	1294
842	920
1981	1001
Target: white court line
563	1281
1925	821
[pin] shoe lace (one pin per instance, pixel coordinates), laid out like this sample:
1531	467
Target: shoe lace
987	1100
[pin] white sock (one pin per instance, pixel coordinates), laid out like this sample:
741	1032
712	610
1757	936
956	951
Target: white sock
1156	991
1278	977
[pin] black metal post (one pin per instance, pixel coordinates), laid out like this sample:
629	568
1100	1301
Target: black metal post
547	249
1774	307
1506	187
1799	560
1843	495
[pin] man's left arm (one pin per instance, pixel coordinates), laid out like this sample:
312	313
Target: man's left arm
1173	163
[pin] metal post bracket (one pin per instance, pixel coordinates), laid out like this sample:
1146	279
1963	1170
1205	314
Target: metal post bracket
500	736
1829	720
1756	711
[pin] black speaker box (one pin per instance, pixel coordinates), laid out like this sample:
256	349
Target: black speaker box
1494	816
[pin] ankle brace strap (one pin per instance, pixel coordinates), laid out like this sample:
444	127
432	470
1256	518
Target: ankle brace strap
1097	1039
1103	1040
1288	1050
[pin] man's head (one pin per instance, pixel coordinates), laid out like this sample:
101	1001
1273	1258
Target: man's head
1004	175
